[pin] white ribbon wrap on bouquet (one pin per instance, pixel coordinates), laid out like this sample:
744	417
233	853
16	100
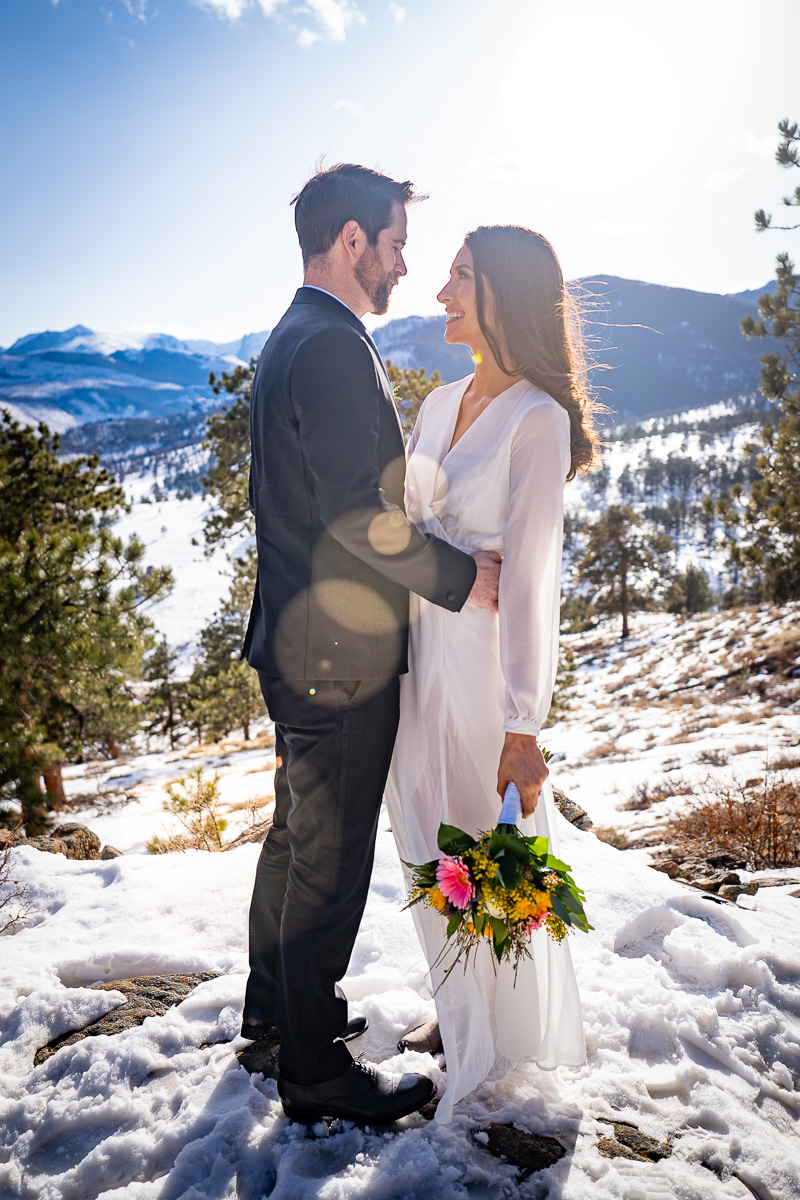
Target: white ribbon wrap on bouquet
511	812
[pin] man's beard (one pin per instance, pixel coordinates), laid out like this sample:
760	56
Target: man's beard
376	285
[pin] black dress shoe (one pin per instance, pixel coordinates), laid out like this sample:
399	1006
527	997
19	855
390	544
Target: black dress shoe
363	1094
258	1033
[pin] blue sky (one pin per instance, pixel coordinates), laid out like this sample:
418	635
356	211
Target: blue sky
151	146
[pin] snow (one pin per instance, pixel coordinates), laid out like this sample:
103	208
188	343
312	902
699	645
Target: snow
690	1020
172	532
690	1007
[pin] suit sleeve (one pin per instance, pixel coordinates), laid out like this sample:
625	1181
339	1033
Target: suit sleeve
337	401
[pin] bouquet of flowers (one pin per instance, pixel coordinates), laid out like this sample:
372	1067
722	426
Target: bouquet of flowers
499	887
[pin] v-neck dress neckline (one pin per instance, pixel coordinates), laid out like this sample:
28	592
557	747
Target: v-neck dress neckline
449	445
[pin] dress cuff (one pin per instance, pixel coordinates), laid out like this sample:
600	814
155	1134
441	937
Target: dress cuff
521	725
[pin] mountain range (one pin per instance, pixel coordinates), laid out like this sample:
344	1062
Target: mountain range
656	349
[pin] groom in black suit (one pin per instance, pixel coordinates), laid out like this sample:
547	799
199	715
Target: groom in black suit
328	634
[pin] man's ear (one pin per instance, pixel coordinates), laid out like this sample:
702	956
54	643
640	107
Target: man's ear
352	239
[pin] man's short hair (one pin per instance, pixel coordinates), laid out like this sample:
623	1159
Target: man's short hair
342	193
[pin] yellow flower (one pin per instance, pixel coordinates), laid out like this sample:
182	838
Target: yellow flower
437	899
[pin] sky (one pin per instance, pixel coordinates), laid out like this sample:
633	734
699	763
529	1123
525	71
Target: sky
151	147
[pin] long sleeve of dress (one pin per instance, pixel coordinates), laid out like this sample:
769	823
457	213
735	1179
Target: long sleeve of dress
530	578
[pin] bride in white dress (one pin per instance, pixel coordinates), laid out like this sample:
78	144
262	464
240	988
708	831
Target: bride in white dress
487	463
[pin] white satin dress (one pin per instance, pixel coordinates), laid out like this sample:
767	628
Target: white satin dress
473	675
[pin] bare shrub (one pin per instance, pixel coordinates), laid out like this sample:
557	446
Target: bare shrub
786	762
645	795
713	758
14	906
757	821
195	802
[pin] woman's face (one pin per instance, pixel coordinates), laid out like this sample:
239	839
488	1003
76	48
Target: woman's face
460	306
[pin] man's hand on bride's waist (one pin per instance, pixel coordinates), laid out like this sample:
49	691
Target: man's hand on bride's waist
487	581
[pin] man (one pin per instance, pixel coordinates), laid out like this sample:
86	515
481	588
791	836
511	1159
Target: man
328	634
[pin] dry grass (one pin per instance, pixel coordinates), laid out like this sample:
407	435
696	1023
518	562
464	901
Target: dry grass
604	750
614	837
786	762
757	821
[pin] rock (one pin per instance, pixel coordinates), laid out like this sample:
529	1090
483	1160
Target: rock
49	845
630	1142
796	894
257	834
72	840
730	891
261	1057
572	811
706	885
668	866
110	852
147	996
528	1151
609	1148
772	881
6	839
81	842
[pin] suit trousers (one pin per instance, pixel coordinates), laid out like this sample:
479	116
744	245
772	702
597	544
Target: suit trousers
335	740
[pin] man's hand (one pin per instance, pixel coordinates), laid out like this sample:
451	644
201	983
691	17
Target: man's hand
523	763
484	589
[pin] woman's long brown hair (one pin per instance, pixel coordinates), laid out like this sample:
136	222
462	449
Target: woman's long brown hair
532	326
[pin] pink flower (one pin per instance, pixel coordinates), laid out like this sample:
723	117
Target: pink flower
536	922
454	881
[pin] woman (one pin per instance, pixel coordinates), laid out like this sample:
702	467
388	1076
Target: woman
487	464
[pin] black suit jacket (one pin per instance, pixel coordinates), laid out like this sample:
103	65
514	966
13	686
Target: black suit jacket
336	556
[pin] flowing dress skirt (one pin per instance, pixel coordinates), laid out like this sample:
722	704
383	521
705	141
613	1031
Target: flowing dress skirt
445	769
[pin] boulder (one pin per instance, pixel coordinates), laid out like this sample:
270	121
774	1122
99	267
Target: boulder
80	841
630	1142
528	1151
576	815
146	996
47	843
110	852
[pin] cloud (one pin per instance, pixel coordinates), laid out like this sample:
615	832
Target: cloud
335	18
136	8
353	107
397	11
332	18
232	9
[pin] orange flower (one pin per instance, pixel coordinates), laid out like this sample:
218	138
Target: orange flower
437	899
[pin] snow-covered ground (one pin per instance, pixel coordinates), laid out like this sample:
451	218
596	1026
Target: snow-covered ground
690	1012
691	1008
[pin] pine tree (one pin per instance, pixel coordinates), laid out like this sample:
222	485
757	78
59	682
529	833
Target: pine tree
563	690
228	440
619	559
411	386
224	692
768	553
689	592
71	595
167	698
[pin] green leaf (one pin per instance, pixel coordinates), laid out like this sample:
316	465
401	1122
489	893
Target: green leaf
452	840
572	902
453	924
560	909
